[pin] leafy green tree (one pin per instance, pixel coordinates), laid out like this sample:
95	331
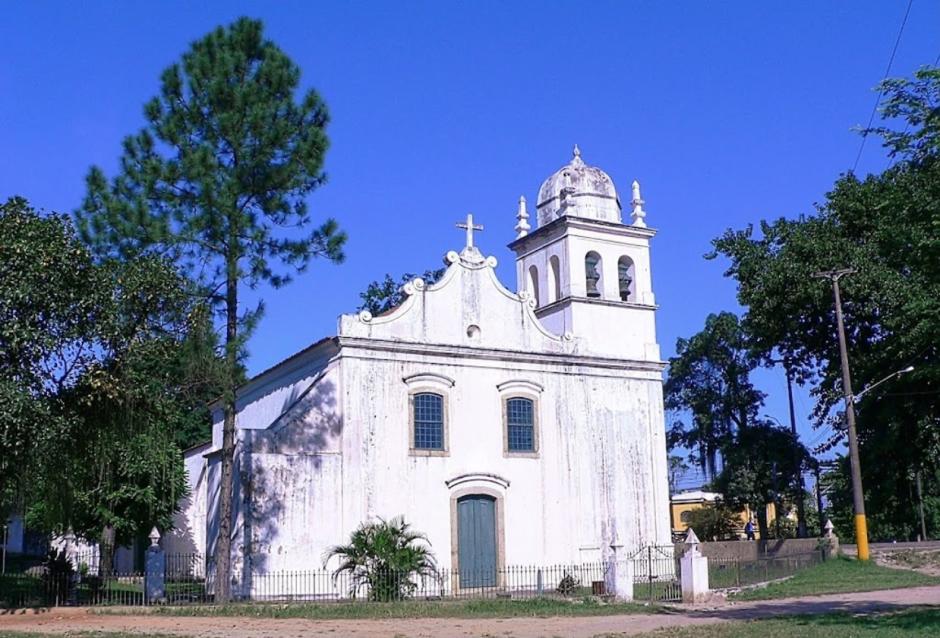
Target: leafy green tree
218	181
677	467
122	453
759	463
384	556
48	296
885	227
716	522
102	366
381	296
709	388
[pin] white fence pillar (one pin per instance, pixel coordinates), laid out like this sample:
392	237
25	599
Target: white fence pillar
619	577
693	570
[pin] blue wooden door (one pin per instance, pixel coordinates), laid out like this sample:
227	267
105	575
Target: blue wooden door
476	541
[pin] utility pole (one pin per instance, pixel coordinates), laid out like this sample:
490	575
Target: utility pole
920	507
858	496
800	509
819	502
800	506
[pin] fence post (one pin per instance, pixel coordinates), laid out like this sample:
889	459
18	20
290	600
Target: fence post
154	570
693	571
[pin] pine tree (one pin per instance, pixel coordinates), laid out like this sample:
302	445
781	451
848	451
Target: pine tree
217	181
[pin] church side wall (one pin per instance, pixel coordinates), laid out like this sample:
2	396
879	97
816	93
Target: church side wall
188	535
287	449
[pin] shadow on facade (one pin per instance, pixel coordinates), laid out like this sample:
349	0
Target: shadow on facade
277	463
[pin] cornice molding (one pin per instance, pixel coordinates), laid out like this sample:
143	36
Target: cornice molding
563	359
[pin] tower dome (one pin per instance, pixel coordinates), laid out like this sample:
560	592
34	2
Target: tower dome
578	190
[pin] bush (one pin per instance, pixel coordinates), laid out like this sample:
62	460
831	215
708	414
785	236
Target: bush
567	585
716	522
57	577
384	557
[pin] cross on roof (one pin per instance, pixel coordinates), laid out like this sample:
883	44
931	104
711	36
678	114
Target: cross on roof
469	226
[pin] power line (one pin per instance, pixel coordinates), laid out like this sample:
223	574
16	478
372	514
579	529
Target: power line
874	109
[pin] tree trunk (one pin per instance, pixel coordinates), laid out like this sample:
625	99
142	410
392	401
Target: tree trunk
920	507
223	547
762	527
106	552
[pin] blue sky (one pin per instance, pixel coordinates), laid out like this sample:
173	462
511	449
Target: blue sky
725	112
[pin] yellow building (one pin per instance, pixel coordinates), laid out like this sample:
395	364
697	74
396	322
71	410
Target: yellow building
683	503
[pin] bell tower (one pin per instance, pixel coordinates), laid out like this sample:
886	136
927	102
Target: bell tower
588	271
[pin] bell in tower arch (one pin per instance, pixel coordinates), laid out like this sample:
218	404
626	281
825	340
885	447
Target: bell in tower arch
592	274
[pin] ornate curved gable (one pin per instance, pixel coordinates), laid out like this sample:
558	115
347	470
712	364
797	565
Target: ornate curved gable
467	307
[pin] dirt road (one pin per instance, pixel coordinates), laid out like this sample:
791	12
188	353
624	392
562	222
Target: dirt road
60	621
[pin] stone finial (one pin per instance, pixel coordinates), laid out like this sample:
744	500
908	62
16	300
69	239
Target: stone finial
576	156
637	202
829	527
522	220
691	538
154	537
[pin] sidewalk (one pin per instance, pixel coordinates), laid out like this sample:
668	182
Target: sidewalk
62	620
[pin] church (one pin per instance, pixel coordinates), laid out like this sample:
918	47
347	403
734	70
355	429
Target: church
512	428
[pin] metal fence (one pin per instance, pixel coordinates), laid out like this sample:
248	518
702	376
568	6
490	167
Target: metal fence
655	573
45	589
509	582
725	573
42	586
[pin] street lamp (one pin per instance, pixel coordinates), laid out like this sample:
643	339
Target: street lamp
874	385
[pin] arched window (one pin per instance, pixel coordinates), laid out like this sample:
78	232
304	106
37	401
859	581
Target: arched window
534	283
625	276
520	425
685	516
428	421
593	274
554	281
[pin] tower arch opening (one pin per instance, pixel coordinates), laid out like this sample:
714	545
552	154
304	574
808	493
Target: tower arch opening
626	275
593	274
534	283
554	279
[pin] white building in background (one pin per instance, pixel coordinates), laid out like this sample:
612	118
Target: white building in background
513	428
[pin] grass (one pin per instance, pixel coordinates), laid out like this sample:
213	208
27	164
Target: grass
836	576
906	624
493	608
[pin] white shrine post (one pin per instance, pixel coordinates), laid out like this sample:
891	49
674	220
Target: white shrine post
693	568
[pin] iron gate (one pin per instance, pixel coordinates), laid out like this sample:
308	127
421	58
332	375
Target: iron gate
656	574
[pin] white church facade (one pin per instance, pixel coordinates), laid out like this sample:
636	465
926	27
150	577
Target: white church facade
512	428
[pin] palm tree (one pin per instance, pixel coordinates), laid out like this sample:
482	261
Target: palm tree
385	556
